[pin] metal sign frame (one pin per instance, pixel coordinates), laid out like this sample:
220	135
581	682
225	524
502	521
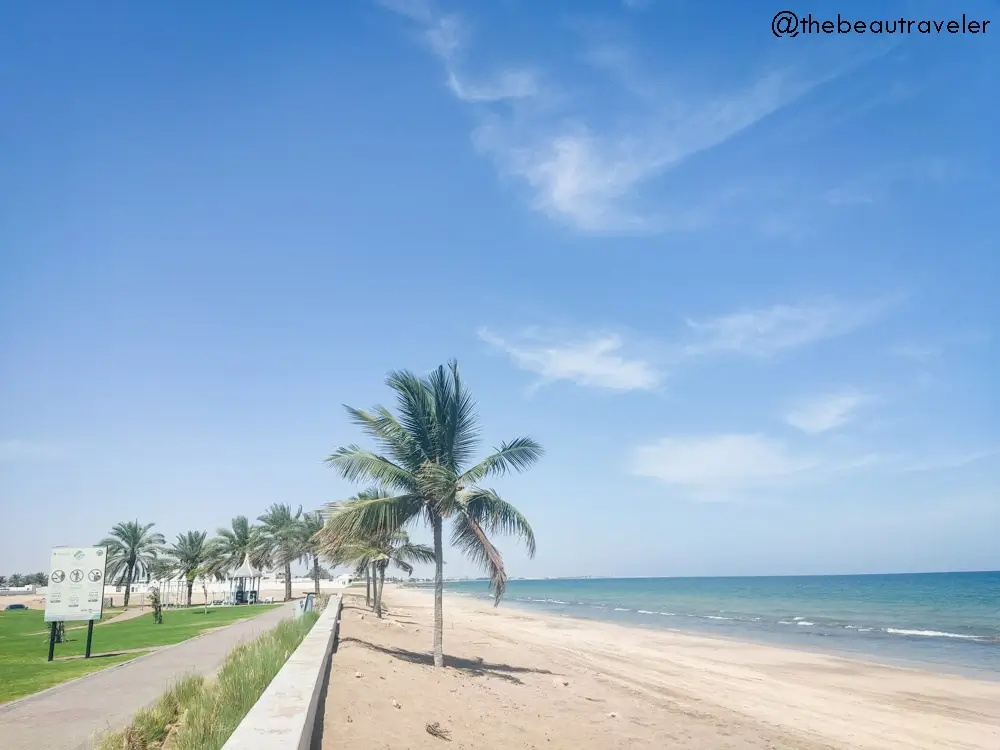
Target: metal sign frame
76	589
76	584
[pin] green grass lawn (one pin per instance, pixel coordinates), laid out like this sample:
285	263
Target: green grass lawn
24	643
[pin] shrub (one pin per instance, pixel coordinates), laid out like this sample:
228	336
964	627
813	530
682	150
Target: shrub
246	673
207	713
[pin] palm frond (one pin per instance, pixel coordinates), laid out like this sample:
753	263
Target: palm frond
457	429
357	464
497	516
412	554
469	537
390	435
357	521
517	455
416	410
404	566
439	483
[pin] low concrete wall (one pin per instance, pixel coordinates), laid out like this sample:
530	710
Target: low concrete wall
285	716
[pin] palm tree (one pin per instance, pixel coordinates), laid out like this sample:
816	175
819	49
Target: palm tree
131	549
338	549
232	545
40	579
281	532
187	556
423	460
310	525
16	579
3	580
374	554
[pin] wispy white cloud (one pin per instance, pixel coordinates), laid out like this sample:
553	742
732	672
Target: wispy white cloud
768	331
738	465
589	176
719	462
31	450
596	360
600	359
826	412
584	170
507	85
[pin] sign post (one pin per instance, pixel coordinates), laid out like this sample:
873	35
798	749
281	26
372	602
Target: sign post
76	589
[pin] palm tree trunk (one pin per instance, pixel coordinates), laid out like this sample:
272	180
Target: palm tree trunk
368	585
128	584
190	584
316	574
378	591
437	523
288	581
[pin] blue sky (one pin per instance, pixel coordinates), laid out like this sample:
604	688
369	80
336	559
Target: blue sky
743	289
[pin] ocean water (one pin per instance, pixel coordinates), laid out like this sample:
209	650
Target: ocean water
944	621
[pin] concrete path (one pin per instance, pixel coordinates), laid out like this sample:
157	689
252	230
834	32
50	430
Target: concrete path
70	716
128	614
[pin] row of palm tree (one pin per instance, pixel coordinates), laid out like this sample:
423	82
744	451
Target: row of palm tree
422	472
282	537
15	580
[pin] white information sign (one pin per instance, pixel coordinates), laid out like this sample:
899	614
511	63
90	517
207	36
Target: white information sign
76	584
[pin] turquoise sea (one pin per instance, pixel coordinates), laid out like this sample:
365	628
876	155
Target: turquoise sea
948	621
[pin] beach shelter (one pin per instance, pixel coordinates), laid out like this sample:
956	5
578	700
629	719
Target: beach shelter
244	583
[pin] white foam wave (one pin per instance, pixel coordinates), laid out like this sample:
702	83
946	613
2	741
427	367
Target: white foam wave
645	612
930	633
785	622
622	609
804	622
667	614
716	617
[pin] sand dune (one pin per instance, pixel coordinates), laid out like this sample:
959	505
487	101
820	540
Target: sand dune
522	680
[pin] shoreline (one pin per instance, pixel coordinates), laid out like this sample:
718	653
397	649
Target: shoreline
900	662
519	678
924	653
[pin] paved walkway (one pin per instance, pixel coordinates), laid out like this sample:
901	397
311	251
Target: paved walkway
69	716
128	614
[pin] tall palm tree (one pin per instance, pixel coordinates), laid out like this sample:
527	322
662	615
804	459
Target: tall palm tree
3	580
16	579
310	525
232	545
281	531
131	549
423	460
187	556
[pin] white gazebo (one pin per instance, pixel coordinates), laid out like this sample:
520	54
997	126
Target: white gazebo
244	583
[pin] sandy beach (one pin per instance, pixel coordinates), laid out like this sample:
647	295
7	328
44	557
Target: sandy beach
517	679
